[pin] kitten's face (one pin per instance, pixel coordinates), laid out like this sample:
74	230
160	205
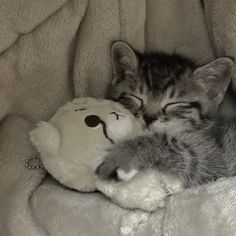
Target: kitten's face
175	107
167	91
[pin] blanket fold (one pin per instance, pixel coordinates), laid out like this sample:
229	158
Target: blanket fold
21	17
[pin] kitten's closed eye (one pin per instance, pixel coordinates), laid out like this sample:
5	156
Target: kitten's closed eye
132	102
139	101
177	107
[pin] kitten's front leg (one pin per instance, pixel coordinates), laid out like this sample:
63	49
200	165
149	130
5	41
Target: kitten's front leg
150	187
129	156
194	164
137	154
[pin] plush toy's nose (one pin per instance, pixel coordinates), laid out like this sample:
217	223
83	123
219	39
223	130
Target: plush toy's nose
92	120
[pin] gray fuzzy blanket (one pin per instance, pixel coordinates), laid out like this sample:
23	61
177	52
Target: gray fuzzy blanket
53	50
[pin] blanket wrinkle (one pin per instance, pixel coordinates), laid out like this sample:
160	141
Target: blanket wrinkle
36	223
135	35
15	130
39	57
93	48
19	32
176	27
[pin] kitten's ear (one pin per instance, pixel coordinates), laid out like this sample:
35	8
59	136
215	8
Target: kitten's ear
215	77
125	61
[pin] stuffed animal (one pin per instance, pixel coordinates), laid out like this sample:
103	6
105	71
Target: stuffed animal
73	143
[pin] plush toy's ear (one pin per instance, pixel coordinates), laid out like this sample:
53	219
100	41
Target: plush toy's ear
46	138
124	60
215	77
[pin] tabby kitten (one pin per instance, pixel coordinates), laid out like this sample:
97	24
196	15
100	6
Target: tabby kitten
179	102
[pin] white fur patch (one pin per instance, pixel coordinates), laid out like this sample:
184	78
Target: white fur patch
126	176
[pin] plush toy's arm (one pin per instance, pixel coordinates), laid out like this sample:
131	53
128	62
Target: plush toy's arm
46	138
145	191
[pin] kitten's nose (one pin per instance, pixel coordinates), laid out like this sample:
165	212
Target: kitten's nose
149	118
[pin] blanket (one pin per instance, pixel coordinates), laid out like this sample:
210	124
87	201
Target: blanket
54	50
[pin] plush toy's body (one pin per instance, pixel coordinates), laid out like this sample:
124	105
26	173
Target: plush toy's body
74	142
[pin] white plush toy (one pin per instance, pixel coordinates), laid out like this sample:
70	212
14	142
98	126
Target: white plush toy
73	143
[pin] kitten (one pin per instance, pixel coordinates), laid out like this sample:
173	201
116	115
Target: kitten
179	103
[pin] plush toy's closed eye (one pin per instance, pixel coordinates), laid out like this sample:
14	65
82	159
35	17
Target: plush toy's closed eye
116	114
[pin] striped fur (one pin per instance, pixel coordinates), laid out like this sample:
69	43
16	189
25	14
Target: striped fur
179	102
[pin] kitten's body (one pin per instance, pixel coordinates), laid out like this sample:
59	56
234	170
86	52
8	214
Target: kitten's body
196	157
179	102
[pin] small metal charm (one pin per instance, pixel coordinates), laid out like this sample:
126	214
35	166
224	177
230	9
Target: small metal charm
34	162
167	190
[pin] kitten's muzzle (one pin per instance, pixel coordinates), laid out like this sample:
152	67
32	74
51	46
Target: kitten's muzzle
149	118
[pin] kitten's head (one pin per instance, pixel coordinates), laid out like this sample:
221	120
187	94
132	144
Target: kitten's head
168	92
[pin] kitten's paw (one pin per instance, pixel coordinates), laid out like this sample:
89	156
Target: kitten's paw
123	160
117	167
126	176
108	169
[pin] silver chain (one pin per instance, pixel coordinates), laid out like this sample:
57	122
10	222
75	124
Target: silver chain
34	162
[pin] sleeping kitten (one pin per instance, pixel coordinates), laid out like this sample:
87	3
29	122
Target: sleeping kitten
179	103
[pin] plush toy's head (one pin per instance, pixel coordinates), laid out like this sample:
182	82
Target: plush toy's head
73	143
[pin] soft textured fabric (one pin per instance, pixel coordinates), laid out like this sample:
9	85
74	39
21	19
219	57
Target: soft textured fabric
53	50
